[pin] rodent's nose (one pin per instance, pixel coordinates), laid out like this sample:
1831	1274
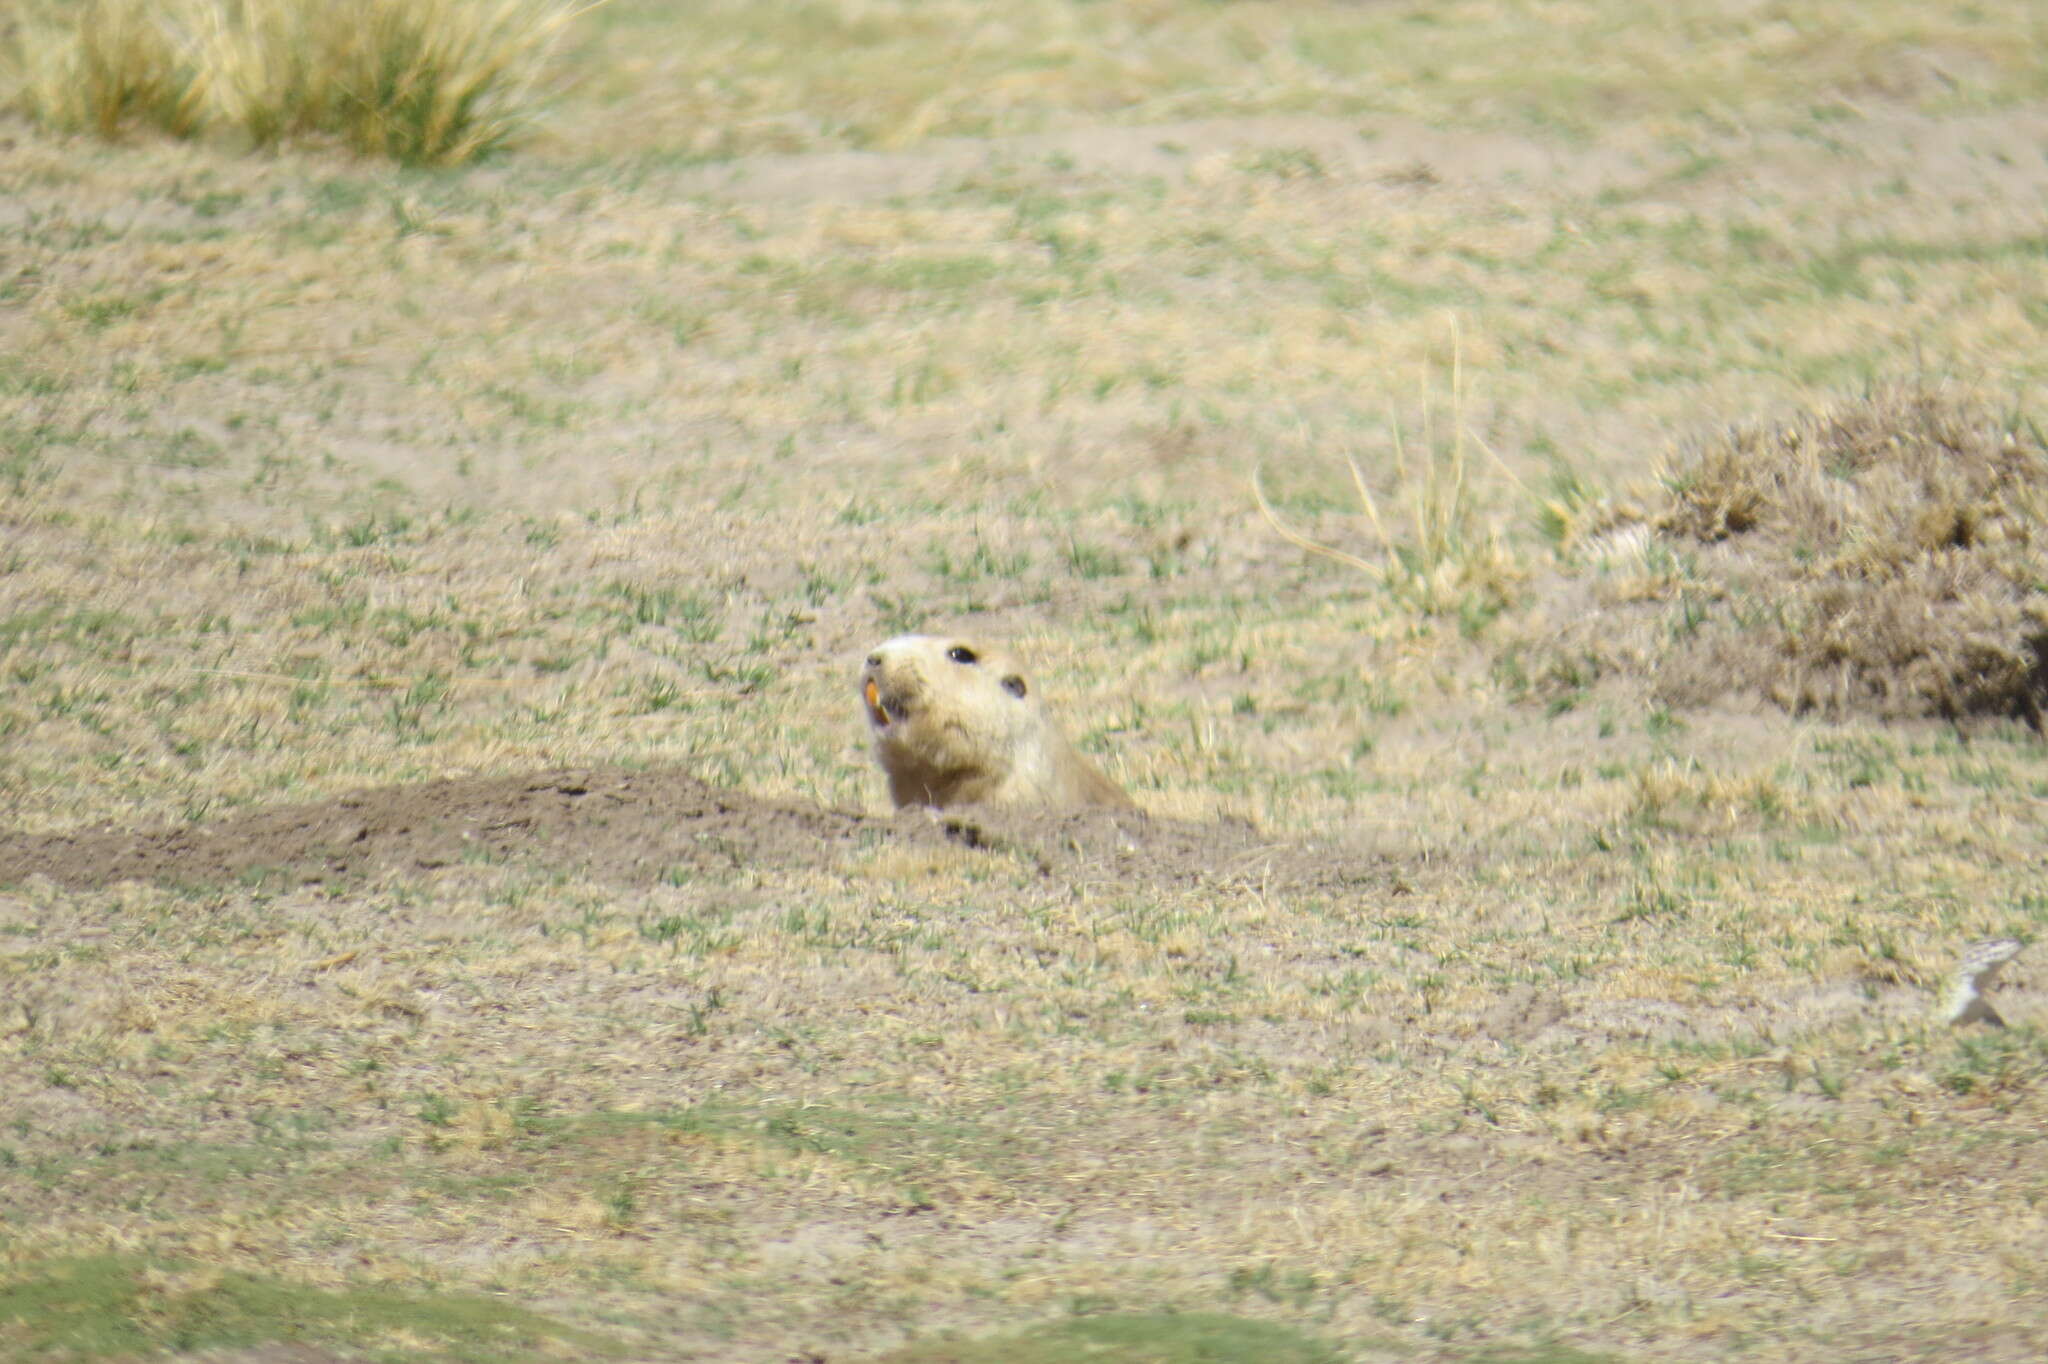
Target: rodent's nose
874	660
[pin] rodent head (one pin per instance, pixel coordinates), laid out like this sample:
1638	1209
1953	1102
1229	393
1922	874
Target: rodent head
944	709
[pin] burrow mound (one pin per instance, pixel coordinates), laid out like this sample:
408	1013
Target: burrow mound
636	826
1887	557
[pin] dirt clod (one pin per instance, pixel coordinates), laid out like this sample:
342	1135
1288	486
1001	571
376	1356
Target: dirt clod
1887	557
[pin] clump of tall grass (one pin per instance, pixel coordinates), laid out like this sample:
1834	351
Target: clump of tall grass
98	65
1446	559
424	82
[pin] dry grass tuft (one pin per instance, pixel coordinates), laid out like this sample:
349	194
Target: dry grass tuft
1888	557
436	83
102	65
1449	559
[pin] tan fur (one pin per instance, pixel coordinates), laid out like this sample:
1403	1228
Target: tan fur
952	732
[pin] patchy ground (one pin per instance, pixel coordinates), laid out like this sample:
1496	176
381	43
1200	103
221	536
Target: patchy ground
446	906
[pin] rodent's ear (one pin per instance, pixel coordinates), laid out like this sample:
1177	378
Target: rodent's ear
1014	685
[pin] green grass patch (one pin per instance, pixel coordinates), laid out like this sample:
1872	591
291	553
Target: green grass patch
1138	1338
95	1307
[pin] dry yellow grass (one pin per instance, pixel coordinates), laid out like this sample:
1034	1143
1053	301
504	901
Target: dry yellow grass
1606	1025
103	65
438	83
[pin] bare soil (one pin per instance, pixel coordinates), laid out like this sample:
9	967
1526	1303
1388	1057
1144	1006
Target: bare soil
632	826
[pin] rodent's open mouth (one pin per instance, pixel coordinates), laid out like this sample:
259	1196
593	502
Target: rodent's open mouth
878	709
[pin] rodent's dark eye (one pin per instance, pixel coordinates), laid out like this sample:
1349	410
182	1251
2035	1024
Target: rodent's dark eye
1014	685
960	653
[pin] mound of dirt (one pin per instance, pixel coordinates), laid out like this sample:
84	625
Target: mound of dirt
1888	557
633	826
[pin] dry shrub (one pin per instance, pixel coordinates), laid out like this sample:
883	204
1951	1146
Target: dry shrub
1888	557
425	82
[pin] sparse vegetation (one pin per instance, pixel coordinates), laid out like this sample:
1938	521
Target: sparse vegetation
1447	560
446	907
